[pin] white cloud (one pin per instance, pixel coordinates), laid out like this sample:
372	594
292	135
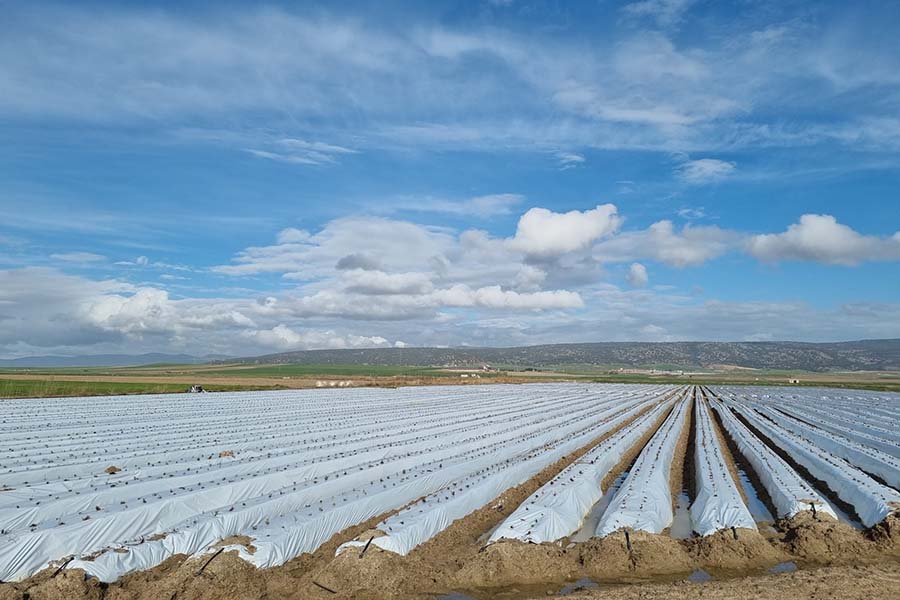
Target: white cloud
569	160
821	238
79	257
284	338
704	170
541	232
691	246
362	281
485	206
302	152
44	311
394	246
292	235
665	13
489	205
654	57
145	262
637	275
365	86
358	260
691	213
496	297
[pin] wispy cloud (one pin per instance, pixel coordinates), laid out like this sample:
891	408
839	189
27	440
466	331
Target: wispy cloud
692	213
301	152
336	78
665	13
704	170
485	206
78	257
569	160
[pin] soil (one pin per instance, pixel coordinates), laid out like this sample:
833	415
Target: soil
609	558
738	550
821	539
887	534
847	583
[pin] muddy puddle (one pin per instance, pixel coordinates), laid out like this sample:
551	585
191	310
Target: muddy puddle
579	586
758	509
700	576
681	528
589	527
585	584
783	567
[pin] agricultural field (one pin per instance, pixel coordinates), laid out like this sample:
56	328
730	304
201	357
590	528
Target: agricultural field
477	491
173	378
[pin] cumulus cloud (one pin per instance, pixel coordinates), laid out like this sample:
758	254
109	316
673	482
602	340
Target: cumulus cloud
496	297
541	232
371	281
282	337
362	281
688	247
397	245
292	235
45	311
357	260
704	170
821	238
420	267
637	275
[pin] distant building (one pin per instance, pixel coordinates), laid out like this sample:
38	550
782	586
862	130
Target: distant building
793	380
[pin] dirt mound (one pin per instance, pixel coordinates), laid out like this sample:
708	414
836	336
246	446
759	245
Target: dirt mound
650	555
823	540
67	585
516	563
377	575
887	534
225	577
741	549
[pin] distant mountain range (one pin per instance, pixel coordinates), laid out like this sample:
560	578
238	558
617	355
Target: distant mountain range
876	355
103	360
864	355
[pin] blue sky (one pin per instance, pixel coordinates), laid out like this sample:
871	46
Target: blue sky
228	178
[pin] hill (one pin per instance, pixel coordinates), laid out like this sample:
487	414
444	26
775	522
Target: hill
876	355
100	360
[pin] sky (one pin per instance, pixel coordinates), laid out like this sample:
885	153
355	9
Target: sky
235	178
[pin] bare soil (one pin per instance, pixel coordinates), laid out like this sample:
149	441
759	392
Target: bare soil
847	583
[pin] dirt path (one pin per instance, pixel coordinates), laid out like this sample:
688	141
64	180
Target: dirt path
848	583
